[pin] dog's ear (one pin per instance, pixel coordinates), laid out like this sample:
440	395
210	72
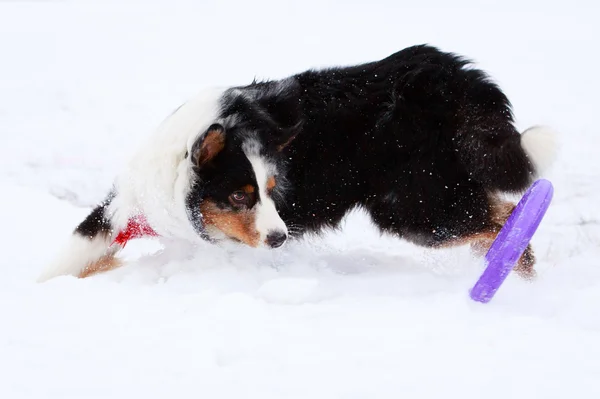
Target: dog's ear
285	116
209	145
287	136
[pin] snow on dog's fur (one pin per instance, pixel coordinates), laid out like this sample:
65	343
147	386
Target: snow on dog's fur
420	140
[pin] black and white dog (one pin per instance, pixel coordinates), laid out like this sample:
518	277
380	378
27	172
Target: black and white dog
421	140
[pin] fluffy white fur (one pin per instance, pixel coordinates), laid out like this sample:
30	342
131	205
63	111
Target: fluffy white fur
76	255
155	184
157	178
540	144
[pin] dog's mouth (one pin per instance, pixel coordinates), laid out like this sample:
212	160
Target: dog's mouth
216	236
272	241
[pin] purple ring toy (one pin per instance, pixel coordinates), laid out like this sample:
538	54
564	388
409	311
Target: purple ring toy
512	239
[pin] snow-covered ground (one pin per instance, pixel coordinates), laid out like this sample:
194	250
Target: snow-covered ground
350	315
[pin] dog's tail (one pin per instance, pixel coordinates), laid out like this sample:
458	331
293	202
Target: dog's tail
506	160
539	143
89	248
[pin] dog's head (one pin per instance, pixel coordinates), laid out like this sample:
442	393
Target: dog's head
239	177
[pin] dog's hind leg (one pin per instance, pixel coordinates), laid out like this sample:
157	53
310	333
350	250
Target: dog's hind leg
88	250
500	213
481	241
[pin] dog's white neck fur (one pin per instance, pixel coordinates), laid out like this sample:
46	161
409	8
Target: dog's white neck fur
157	179
267	217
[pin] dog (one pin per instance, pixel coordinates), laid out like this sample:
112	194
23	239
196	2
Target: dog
422	140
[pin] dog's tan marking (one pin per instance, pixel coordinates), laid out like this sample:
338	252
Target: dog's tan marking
240	225
248	189
271	184
501	211
104	264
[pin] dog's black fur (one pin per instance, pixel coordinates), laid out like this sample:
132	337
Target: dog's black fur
419	139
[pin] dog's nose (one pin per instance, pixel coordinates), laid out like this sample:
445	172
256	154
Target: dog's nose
276	239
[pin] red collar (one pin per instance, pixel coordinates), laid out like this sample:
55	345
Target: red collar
137	227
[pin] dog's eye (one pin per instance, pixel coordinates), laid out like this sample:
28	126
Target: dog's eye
238	198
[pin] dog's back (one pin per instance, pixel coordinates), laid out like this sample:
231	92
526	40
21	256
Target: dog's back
421	139
418	105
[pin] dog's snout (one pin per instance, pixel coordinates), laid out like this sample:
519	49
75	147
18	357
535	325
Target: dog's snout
276	239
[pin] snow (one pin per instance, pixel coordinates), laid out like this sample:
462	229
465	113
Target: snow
348	315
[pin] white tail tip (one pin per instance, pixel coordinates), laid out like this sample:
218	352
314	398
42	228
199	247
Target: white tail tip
540	144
